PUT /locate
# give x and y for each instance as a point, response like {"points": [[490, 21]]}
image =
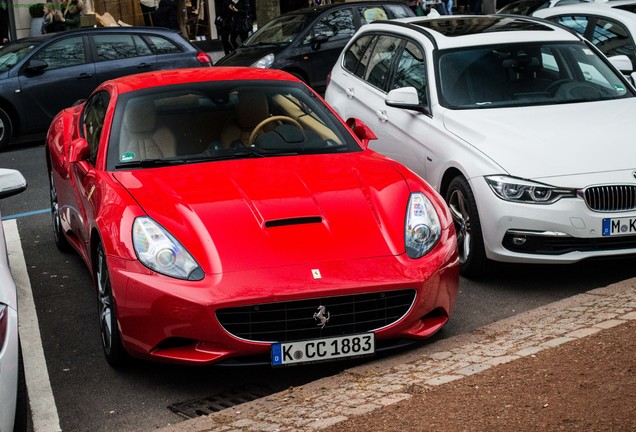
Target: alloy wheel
{"points": [[105, 303], [458, 206], [58, 235]]}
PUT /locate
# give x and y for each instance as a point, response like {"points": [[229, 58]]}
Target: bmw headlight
{"points": [[423, 229], [525, 191], [159, 251], [265, 62]]}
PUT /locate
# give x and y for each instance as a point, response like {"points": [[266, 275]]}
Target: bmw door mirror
{"points": [[36, 65], [362, 131], [405, 98], [12, 182], [78, 151], [622, 63], [317, 41]]}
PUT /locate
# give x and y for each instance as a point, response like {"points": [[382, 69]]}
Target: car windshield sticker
{"points": [[127, 157]]}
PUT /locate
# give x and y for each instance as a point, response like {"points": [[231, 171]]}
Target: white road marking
{"points": [[41, 400]]}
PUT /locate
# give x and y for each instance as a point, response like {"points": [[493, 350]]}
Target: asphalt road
{"points": [[89, 395]]}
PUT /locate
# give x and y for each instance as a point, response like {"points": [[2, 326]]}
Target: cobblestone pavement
{"points": [[361, 390]]}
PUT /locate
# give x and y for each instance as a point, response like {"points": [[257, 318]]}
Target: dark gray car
{"points": [[39, 76], [307, 42]]}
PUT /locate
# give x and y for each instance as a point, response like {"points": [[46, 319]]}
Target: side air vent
{"points": [[293, 221]]}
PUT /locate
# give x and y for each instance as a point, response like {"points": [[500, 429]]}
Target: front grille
{"points": [[611, 198], [294, 320]]}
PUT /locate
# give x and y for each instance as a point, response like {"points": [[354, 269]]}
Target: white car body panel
{"points": [[559, 124], [11, 182], [8, 352]]}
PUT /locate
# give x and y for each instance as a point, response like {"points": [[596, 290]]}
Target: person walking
{"points": [[241, 22], [52, 21], [148, 8], [166, 14], [72, 14], [224, 24], [4, 23]]}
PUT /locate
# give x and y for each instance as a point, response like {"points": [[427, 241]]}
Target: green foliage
{"points": [[36, 10]]}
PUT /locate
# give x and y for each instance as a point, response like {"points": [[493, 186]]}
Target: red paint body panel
{"points": [[227, 215]]}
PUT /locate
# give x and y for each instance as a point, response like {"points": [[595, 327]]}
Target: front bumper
{"points": [[167, 319], [566, 231]]}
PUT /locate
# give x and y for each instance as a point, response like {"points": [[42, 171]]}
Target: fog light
{"points": [[519, 241]]}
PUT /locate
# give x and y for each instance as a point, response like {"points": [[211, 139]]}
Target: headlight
{"points": [[422, 229], [265, 63], [159, 251], [525, 191]]}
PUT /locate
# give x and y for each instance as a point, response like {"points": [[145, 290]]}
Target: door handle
{"points": [[382, 116], [350, 92], [84, 76], [143, 65]]}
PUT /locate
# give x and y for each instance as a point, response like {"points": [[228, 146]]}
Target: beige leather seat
{"points": [[251, 109], [141, 137]]}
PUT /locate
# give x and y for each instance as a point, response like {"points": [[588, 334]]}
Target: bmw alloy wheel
{"points": [[461, 217], [470, 243]]}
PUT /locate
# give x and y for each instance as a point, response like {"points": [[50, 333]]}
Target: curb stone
{"points": [[363, 389]]}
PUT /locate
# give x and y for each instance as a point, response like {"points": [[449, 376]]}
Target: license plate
{"points": [[619, 226], [323, 349]]}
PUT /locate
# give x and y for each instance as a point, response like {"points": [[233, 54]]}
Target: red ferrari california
{"points": [[228, 215]]}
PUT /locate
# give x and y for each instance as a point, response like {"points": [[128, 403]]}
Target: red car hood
{"points": [[277, 211]]}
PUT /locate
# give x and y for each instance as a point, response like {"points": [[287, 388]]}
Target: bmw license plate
{"points": [[619, 226], [323, 349]]}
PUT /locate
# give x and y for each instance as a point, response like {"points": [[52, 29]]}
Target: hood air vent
{"points": [[293, 221]]}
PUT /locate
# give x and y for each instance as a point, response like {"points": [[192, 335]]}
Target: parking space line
{"points": [[31, 213], [43, 408]]}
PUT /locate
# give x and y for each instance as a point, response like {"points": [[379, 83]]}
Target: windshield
{"points": [[283, 29], [222, 120], [11, 54], [526, 74]]}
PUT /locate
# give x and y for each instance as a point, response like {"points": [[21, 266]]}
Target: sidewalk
{"points": [[540, 370]]}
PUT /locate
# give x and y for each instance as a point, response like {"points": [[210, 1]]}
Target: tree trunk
{"points": [[266, 10]]}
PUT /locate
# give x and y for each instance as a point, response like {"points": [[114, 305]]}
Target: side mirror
{"points": [[78, 151], [36, 65], [622, 63], [12, 182], [406, 98], [317, 41], [362, 131]]}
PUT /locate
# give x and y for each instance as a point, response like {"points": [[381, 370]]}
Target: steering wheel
{"points": [[578, 91], [259, 127], [554, 87]]}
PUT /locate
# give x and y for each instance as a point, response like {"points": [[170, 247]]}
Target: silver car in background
{"points": [[12, 384]]}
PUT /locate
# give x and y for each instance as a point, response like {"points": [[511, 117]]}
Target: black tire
{"points": [[114, 351], [20, 423], [470, 241], [6, 129], [60, 240]]}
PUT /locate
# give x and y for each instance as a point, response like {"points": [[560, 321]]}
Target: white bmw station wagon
{"points": [[525, 128]]}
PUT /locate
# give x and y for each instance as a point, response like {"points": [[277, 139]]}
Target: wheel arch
{"points": [[449, 175], [12, 112], [95, 241]]}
